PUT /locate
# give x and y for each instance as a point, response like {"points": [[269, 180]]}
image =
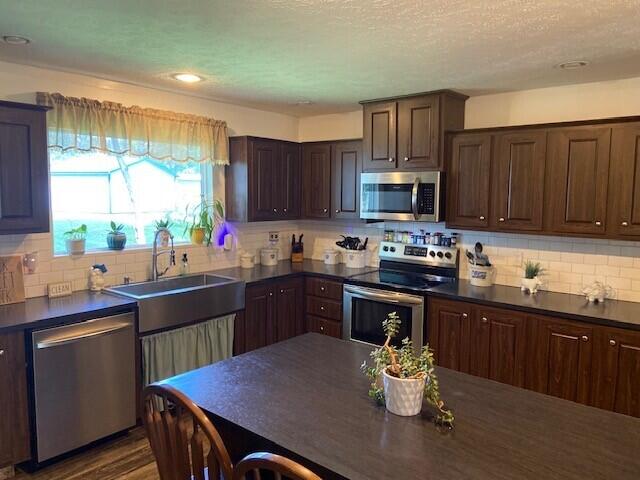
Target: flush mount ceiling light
{"points": [[187, 77], [15, 40], [573, 64]]}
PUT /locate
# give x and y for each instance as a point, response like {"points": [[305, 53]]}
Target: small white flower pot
{"points": [[403, 396], [530, 285]]}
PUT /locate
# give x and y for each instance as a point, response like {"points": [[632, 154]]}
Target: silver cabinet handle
{"points": [[337, 211], [612, 343], [284, 210], [625, 224], [406, 159], [322, 308], [321, 328], [275, 210], [1, 353], [484, 320], [271, 294], [585, 338], [390, 159], [464, 315], [598, 223], [325, 210], [481, 217], [501, 219], [281, 291]]}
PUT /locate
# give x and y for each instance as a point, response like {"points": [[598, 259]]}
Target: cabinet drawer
{"points": [[323, 326], [331, 309], [319, 287]]}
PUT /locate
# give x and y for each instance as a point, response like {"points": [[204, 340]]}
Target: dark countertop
{"points": [[285, 268], [611, 312], [41, 312], [501, 432]]}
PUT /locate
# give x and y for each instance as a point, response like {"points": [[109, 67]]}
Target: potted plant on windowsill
{"points": [[75, 240], [116, 238], [202, 221], [163, 226], [530, 283], [401, 378]]}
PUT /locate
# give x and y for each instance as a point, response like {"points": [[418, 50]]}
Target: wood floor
{"points": [[124, 458]]}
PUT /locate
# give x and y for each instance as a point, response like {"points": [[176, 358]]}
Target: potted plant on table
{"points": [[401, 377], [116, 238], [202, 220], [531, 282], [75, 240], [163, 226]]}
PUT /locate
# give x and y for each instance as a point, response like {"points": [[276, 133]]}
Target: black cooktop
{"points": [[398, 279]]}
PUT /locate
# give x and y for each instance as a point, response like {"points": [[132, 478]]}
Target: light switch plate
{"points": [[61, 289], [274, 236]]}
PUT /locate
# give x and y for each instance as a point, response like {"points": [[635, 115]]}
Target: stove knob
{"points": [[393, 249], [432, 253], [440, 255], [385, 249], [447, 255]]}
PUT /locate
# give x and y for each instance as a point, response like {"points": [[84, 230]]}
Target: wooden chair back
{"points": [[253, 467], [184, 442]]}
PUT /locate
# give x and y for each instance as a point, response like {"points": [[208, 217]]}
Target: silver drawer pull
{"points": [[598, 223], [484, 320], [390, 160], [481, 217], [501, 219], [585, 338], [612, 343], [625, 224]]}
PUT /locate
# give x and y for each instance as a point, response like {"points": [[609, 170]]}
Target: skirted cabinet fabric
{"points": [[170, 353]]}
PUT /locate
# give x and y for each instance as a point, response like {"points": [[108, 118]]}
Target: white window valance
{"points": [[87, 125]]}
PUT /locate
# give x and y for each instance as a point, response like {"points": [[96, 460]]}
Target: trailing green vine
{"points": [[404, 363]]}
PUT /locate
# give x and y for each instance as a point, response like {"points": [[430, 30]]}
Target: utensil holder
{"points": [[481, 276]]}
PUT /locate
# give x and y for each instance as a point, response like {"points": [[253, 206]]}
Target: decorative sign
{"points": [[11, 280], [61, 289]]}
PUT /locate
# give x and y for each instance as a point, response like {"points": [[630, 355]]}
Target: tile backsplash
{"points": [[570, 263]]}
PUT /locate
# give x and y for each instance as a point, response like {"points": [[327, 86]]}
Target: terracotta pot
{"points": [[403, 396], [197, 236]]}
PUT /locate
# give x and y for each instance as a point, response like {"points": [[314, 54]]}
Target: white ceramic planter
{"points": [[75, 246], [403, 396], [530, 285]]}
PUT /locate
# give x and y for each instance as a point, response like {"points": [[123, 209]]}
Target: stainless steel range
{"points": [[406, 274]]}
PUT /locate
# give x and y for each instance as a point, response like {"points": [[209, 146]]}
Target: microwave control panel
{"points": [[427, 198]]}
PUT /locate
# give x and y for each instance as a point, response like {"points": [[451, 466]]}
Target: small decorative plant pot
{"points": [[530, 285], [116, 241], [75, 246], [403, 396], [197, 236]]}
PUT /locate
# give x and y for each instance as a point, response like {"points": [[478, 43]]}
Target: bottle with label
{"points": [[184, 265]]}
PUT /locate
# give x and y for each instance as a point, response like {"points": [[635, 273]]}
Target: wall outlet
{"points": [[274, 236]]}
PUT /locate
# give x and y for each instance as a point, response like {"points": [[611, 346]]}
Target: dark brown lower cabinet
{"points": [[324, 306], [14, 427], [289, 319], [448, 333]]}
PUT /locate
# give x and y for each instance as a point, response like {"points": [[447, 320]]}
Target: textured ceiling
{"points": [[273, 53]]}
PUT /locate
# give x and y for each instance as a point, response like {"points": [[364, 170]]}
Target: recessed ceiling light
{"points": [[573, 64], [187, 77], [15, 40]]}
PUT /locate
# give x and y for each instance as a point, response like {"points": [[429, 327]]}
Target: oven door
{"points": [[366, 308], [411, 196]]}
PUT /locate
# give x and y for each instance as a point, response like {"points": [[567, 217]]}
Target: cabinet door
{"points": [[14, 427], [346, 160], [418, 132], [518, 180], [289, 312], [560, 359], [469, 180], [317, 180], [498, 345], [379, 144], [616, 383], [24, 182], [624, 185], [264, 170], [290, 181], [579, 168], [258, 316], [448, 327]]}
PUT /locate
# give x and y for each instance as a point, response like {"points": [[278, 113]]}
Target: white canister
{"points": [[355, 258], [246, 260], [269, 257], [331, 257], [480, 276]]}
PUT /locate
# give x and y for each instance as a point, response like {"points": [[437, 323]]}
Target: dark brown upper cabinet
{"points": [[469, 181], [407, 133], [263, 180], [316, 169], [578, 178], [624, 184], [346, 165], [24, 174], [517, 189]]}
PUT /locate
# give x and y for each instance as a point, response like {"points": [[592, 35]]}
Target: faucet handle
{"points": [[173, 257]]}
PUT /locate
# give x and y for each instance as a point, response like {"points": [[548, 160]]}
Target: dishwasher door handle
{"points": [[88, 334]]}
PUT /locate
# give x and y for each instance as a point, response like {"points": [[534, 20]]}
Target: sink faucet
{"points": [[155, 274]]}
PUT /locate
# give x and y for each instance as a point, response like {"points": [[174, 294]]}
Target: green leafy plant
{"points": [[77, 233], [163, 223], [532, 270], [404, 363], [205, 215], [115, 228]]}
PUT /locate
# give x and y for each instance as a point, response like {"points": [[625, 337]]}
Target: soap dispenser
{"points": [[184, 265]]}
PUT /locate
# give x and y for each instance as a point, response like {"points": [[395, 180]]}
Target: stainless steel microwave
{"points": [[412, 196]]}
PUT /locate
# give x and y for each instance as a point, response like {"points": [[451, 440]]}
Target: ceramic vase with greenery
{"points": [[530, 283], [163, 226], [401, 378], [202, 220], [75, 240], [116, 238]]}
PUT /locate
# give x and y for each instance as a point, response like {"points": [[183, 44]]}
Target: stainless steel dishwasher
{"points": [[84, 383]]}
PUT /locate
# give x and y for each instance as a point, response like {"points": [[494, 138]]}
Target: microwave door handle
{"points": [[414, 199]]}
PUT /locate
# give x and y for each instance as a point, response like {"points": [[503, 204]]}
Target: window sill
{"points": [[134, 249]]}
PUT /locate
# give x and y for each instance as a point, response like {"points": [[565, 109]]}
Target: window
{"points": [[96, 188]]}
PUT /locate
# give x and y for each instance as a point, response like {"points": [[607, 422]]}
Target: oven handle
{"points": [[414, 199], [389, 297]]}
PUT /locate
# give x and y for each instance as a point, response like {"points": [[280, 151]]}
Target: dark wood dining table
{"points": [[307, 398]]}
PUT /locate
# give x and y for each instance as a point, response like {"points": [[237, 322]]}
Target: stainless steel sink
{"points": [[172, 302]]}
